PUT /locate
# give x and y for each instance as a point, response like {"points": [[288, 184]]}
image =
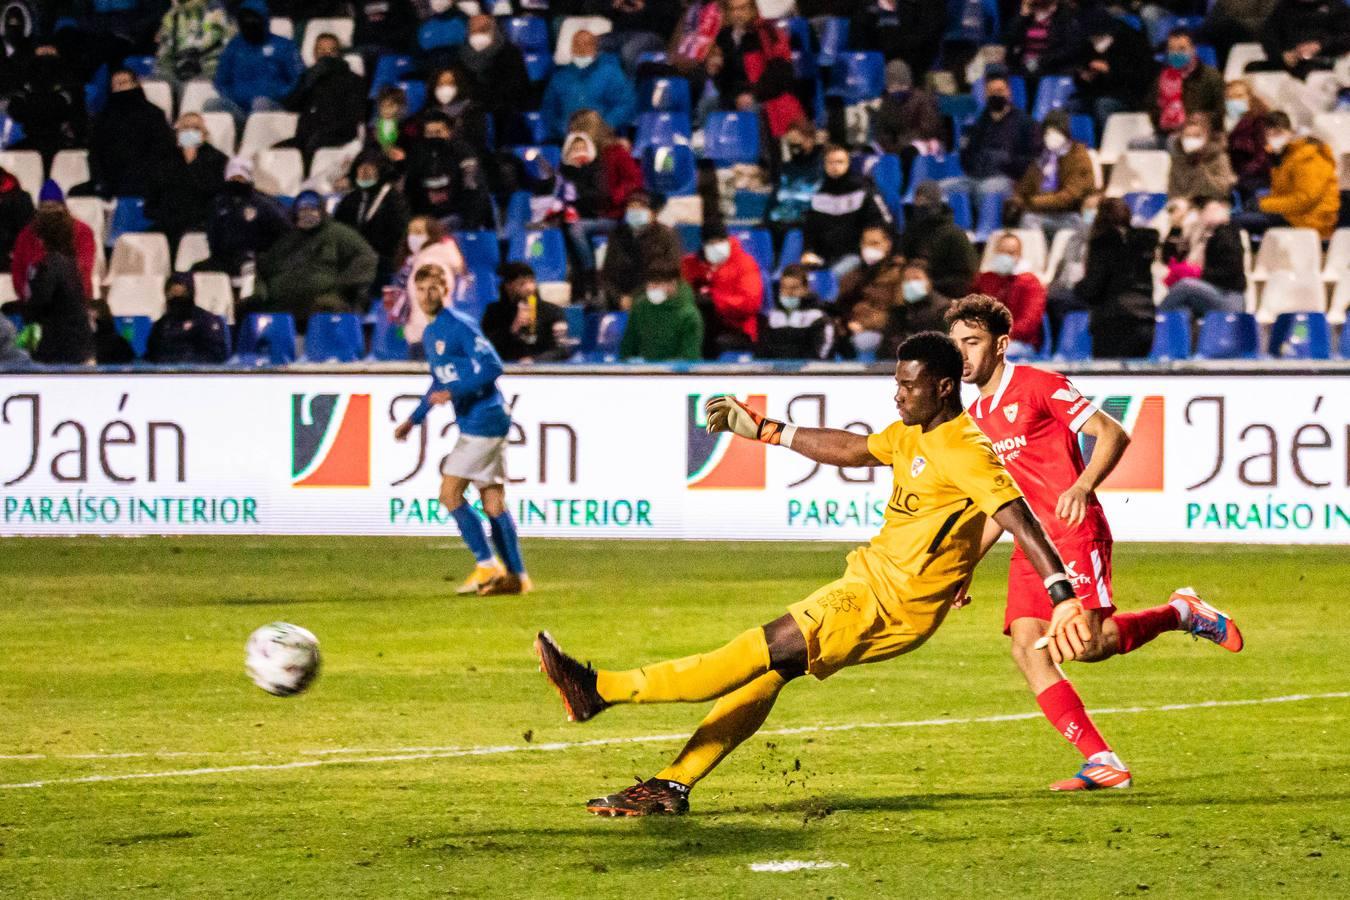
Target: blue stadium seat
{"points": [[543, 249], [664, 95], [11, 132], [538, 65], [480, 249], [267, 339], [1304, 335], [128, 216], [1083, 129], [1144, 206], [758, 243], [791, 252], [612, 326], [1017, 85], [479, 287], [436, 34], [962, 214], [1053, 92], [1228, 336], [750, 206], [136, 331], [989, 217], [932, 168], [334, 337], [390, 69], [651, 58], [832, 36], [143, 66], [518, 213], [1133, 21], [736, 356], [1171, 336], [886, 175], [416, 94], [731, 137], [1207, 55], [1075, 340], [858, 77], [824, 283], [387, 343], [802, 41], [661, 129], [575, 315], [973, 21], [1345, 342], [532, 127], [550, 152], [671, 171], [691, 236], [529, 33]]}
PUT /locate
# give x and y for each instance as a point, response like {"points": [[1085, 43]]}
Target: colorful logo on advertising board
{"points": [[1142, 466], [330, 440], [722, 461]]}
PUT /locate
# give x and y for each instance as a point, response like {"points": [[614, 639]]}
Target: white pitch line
{"points": [[454, 752]]}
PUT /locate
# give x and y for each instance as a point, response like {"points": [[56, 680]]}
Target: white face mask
{"points": [[480, 41], [717, 252], [1055, 140], [1102, 44], [446, 94], [1278, 142], [1004, 263], [583, 62], [416, 242], [657, 295], [440, 6], [872, 255], [1192, 144]]}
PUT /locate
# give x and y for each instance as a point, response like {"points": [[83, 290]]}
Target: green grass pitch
{"points": [[124, 657]]}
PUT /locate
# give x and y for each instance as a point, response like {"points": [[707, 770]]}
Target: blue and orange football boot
{"points": [[1207, 622], [1095, 776]]}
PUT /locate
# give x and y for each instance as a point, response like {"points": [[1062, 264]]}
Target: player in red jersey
{"points": [[1034, 418]]}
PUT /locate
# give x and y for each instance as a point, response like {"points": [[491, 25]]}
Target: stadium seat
{"points": [[576, 322], [1291, 292], [195, 94], [517, 214], [356, 63], [800, 37], [11, 132], [550, 152], [479, 249], [1171, 337], [529, 33], [144, 253], [562, 48], [329, 166], [1336, 265], [664, 95], [69, 168], [671, 171], [26, 166], [1301, 335], [1140, 171], [825, 284], [159, 93], [128, 216], [972, 21], [387, 342], [758, 243], [691, 237], [661, 129], [1075, 339], [438, 34], [1083, 129], [612, 326], [1272, 87], [414, 95], [282, 27], [858, 77], [279, 172], [928, 167], [192, 249], [989, 217], [220, 131], [136, 331], [1144, 205], [886, 175], [143, 66], [832, 36], [1053, 92], [731, 137], [264, 130], [342, 28], [1017, 86], [136, 295], [478, 288], [214, 293], [334, 337], [1121, 128], [543, 249], [537, 66], [390, 69], [92, 212], [1288, 249], [1228, 336], [962, 214], [1334, 129], [267, 338], [1239, 57]]}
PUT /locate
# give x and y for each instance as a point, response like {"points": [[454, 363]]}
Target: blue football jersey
{"points": [[464, 363]]}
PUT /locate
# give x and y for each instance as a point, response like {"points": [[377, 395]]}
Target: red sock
{"points": [[1063, 707], [1138, 628]]}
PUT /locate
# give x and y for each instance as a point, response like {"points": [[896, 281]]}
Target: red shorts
{"points": [[1088, 565]]}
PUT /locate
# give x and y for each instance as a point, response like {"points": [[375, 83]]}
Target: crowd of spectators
{"points": [[856, 166]]}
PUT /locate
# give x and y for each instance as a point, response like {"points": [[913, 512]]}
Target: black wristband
{"points": [[1060, 591]]}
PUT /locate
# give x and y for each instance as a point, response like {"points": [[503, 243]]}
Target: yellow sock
{"points": [[733, 719], [692, 679]]}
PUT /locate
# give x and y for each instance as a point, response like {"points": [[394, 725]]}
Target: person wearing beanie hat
{"points": [[908, 122], [186, 333], [28, 249], [1051, 192], [319, 266], [51, 193]]}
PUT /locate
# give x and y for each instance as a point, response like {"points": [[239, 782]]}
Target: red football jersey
{"points": [[1033, 420]]}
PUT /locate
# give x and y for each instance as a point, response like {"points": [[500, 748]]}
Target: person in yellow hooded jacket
{"points": [[1304, 191]]}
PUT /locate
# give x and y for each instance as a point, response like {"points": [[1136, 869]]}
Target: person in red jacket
{"points": [[730, 291], [1009, 282], [28, 249]]}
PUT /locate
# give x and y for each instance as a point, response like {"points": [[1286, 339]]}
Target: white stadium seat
{"points": [[341, 28], [160, 93], [1239, 57], [1288, 249], [136, 295], [266, 129], [1140, 170], [356, 63], [25, 165], [214, 293], [1340, 302], [562, 50], [140, 253], [1121, 128], [192, 249], [279, 172], [1300, 291], [220, 131], [330, 165], [1270, 86], [1033, 249], [69, 168], [7, 292], [1059, 245], [1337, 264], [91, 211], [195, 94], [282, 27]]}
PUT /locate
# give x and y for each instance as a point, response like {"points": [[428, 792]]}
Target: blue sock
{"points": [[472, 531], [508, 545]]}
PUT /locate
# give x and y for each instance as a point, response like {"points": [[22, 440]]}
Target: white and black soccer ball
{"points": [[281, 658]]}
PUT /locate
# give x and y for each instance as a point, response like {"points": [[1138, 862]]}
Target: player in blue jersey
{"points": [[464, 372]]}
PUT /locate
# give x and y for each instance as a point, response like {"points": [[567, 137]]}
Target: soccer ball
{"points": [[281, 658]]}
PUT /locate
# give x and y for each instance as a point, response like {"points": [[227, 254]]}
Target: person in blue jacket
{"points": [[257, 69], [593, 81], [464, 372]]}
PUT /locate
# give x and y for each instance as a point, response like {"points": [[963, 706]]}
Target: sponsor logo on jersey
{"points": [[916, 468], [722, 461], [1075, 577], [330, 440], [1010, 411]]}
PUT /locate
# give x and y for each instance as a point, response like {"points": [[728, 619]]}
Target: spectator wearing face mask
{"points": [[496, 68], [1000, 145], [730, 290], [1302, 36], [445, 178], [591, 81], [1010, 282], [520, 326], [910, 30], [192, 35], [932, 235], [1200, 166], [450, 94], [1117, 284], [1245, 119], [908, 122], [257, 69], [1053, 187], [186, 333], [797, 327], [244, 222], [1304, 192], [182, 190], [426, 244], [1184, 87], [664, 324], [640, 26], [1044, 39], [17, 30], [845, 203], [1220, 283], [110, 347], [377, 209], [29, 249], [131, 139], [877, 330], [637, 245], [1060, 296], [319, 266], [49, 105], [330, 99], [387, 123], [878, 280], [1114, 69], [800, 171], [620, 174]]}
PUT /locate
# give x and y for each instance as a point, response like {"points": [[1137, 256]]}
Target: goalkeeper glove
{"points": [[729, 414]]}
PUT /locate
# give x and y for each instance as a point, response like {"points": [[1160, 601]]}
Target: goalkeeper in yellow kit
{"points": [[893, 594]]}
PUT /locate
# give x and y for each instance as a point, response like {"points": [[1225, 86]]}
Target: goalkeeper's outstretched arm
{"points": [[831, 446]]}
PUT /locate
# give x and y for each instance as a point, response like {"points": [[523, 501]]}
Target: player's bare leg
{"points": [[471, 530], [510, 577], [1062, 706]]}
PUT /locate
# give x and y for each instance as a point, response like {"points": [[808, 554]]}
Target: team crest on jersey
{"points": [[440, 348], [916, 468], [1011, 412]]}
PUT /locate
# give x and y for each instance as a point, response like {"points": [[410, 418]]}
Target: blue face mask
{"points": [[1178, 60], [1236, 109], [790, 302], [1089, 216], [637, 217], [914, 290]]}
